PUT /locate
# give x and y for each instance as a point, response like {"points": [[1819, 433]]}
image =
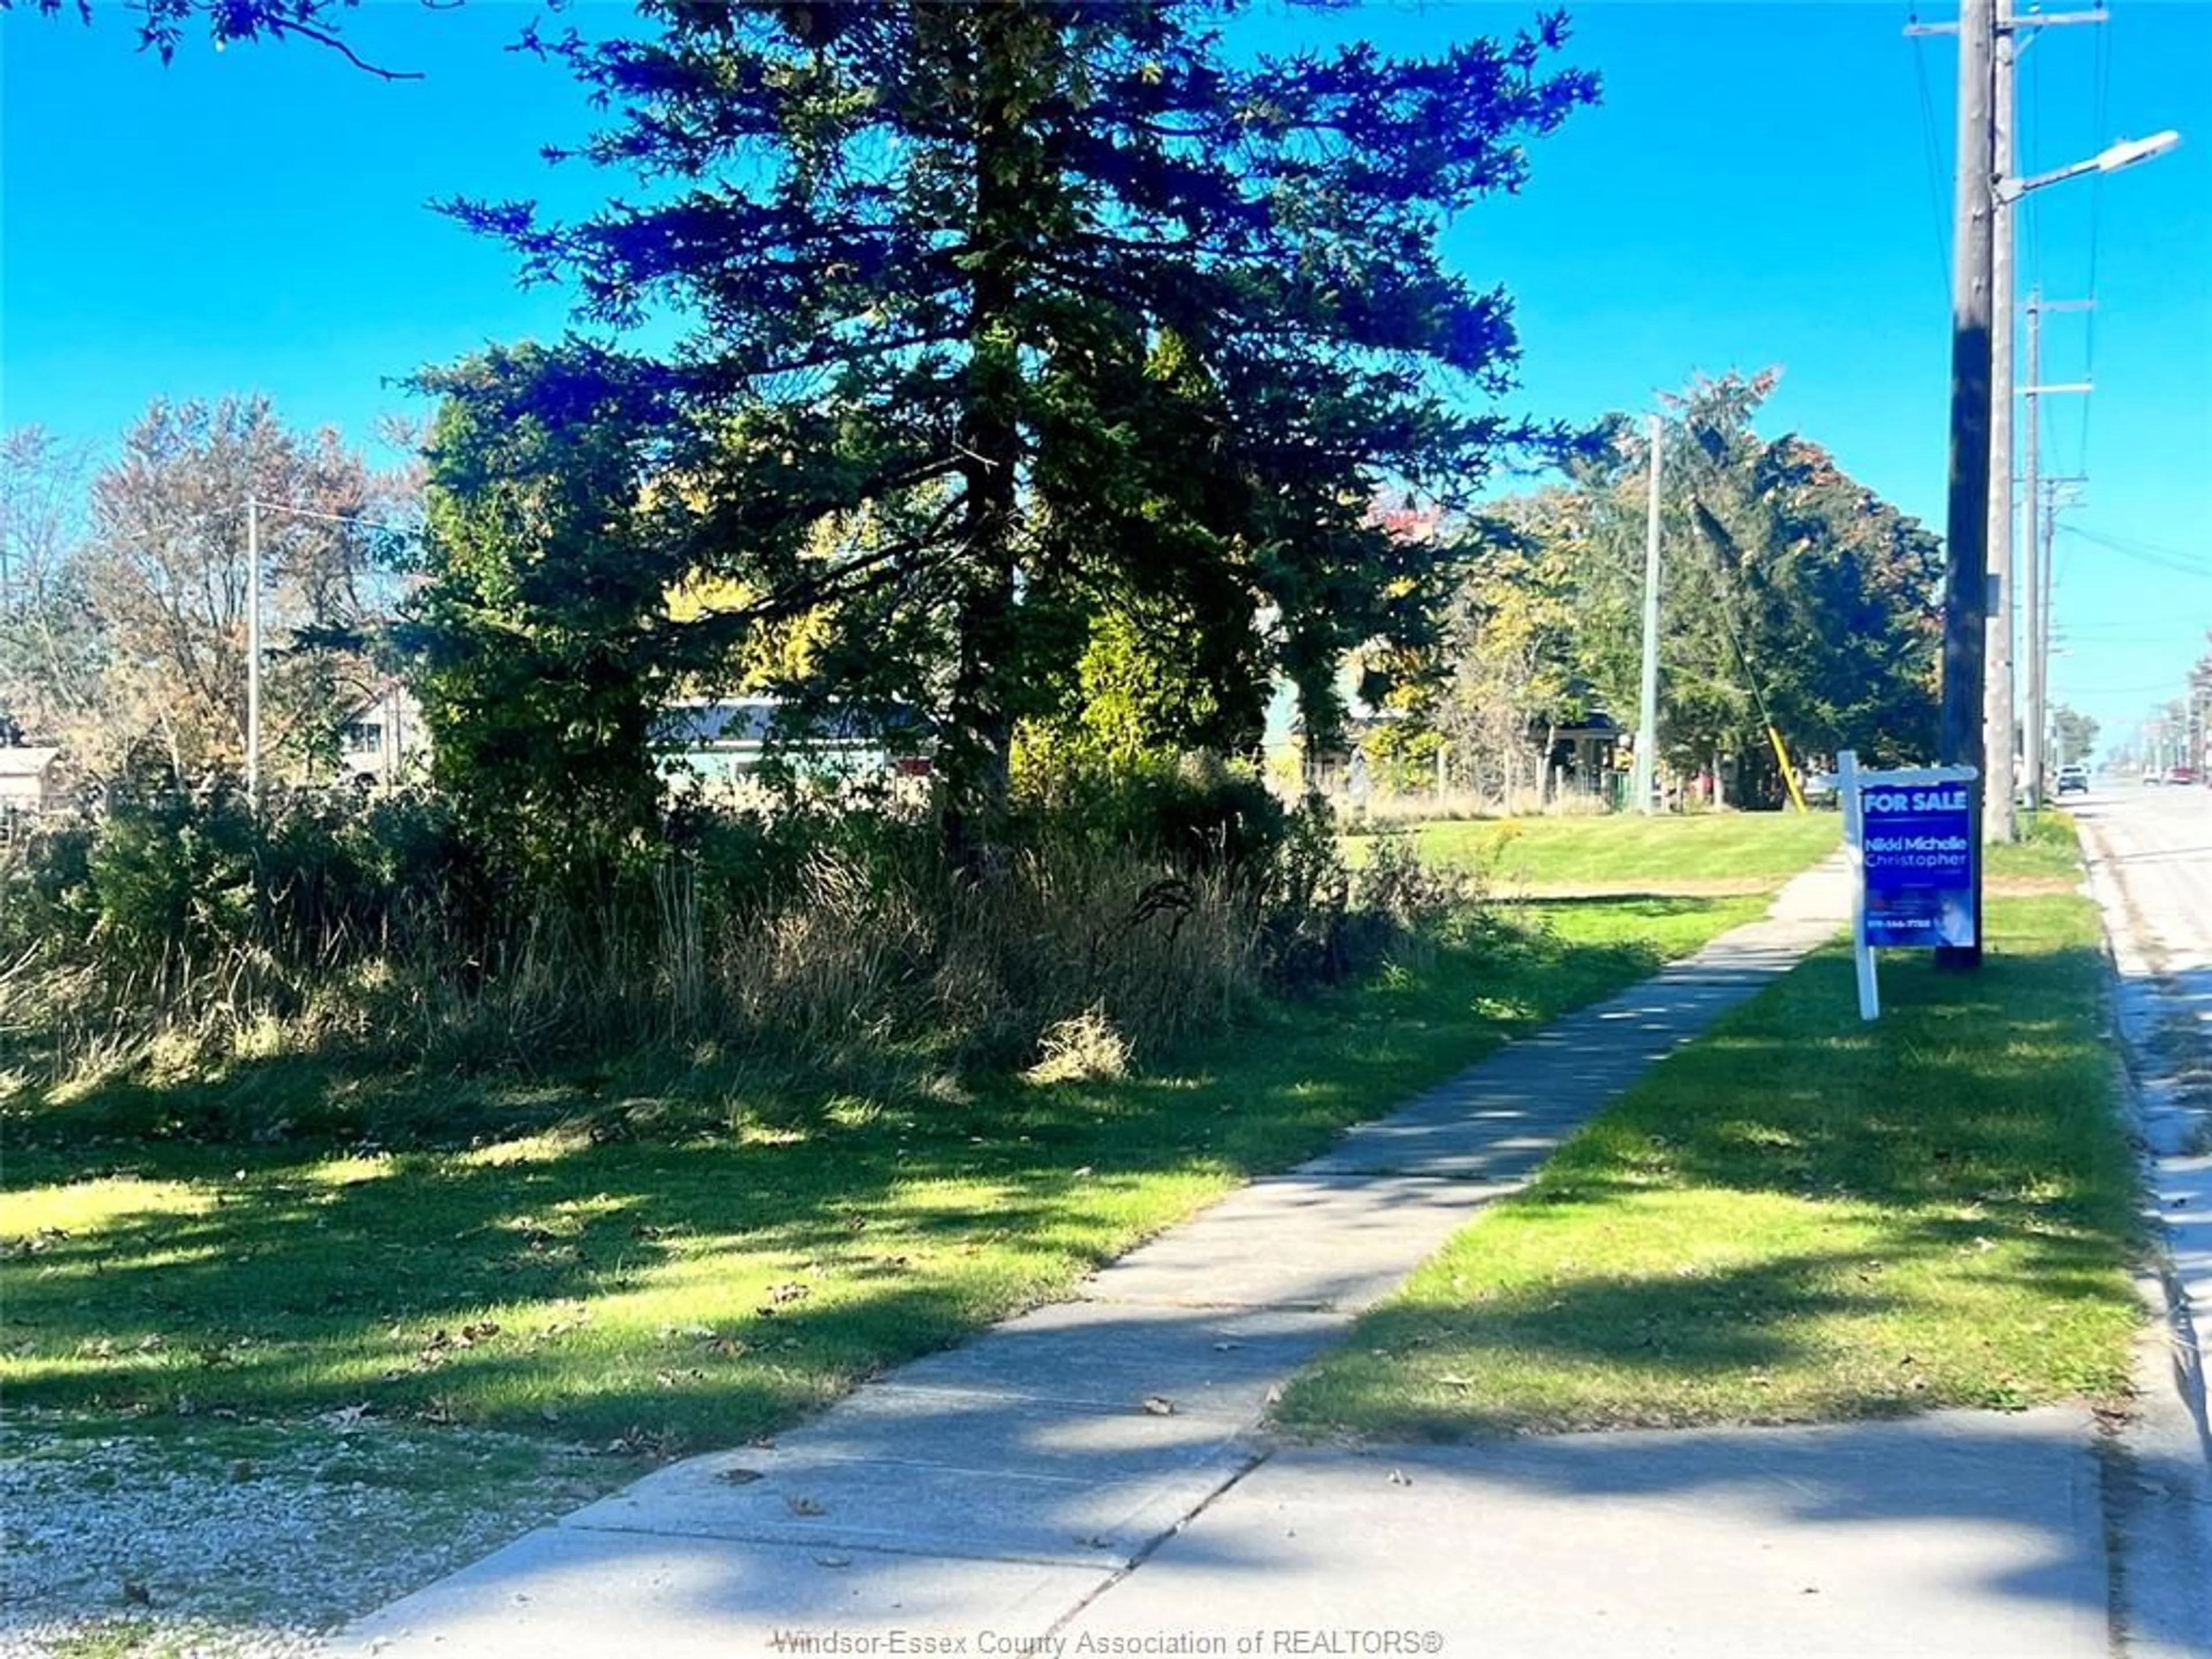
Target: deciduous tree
{"points": [[50, 648], [169, 584]]}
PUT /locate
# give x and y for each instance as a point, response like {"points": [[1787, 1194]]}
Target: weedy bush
{"points": [[177, 934]]}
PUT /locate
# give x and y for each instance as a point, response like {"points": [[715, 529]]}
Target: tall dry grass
{"points": [[1069, 952]]}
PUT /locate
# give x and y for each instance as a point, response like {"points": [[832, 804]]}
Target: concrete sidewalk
{"points": [[1004, 1485], [1090, 1478]]}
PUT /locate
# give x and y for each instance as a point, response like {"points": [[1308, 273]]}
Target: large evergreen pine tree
{"points": [[1046, 309]]}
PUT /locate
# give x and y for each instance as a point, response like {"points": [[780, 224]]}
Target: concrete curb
{"points": [[2158, 1280], [2156, 1465]]}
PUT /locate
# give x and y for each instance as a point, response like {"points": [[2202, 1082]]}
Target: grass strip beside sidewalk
{"points": [[1617, 851], [715, 1279], [1797, 1218]]}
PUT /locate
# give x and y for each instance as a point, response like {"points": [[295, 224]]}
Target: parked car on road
{"points": [[2181, 775], [2073, 779]]}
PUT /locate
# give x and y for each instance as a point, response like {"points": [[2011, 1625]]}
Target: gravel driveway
{"points": [[213, 1537]]}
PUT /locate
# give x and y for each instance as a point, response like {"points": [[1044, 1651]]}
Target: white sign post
{"points": [[1919, 865], [1847, 777]]}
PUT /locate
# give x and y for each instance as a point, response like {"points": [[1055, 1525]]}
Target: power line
{"points": [[2155, 687], [1930, 149], [2034, 148], [2137, 544], [2167, 559], [2101, 104]]}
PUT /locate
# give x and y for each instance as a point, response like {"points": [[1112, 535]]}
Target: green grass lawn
{"points": [[1754, 847], [1798, 1217], [686, 1263], [2049, 850]]}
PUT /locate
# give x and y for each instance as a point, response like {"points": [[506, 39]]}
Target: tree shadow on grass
{"points": [[280, 1296], [1813, 1334], [1988, 1097], [977, 1485], [279, 1281]]}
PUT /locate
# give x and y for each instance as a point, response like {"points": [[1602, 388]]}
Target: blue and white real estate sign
{"points": [[1917, 846], [1910, 836]]}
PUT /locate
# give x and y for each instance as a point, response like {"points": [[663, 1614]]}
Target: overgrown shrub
{"points": [[1116, 923], [1195, 810]]}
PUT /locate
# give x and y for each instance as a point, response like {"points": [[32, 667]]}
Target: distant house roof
{"points": [[699, 721], [26, 762]]}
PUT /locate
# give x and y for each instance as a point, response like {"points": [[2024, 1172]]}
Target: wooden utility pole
{"points": [[1998, 716], [1967, 522], [1644, 773], [252, 653], [2036, 565], [1987, 167]]}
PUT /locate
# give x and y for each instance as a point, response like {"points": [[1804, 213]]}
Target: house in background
{"points": [[383, 739], [715, 742], [1584, 758], [30, 783]]}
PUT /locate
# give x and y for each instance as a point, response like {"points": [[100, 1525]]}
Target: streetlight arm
{"points": [[2126, 154], [2011, 189]]}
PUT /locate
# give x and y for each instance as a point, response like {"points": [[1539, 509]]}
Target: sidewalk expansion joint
{"points": [[1145, 1553]]}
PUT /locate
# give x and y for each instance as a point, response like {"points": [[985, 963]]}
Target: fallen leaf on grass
{"points": [[43, 1239]]}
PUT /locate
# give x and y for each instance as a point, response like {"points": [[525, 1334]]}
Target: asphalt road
{"points": [[2151, 871], [2159, 842]]}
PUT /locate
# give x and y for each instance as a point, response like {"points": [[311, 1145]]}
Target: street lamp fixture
{"points": [[2127, 153]]}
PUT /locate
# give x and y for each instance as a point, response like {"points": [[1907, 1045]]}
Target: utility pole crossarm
{"points": [[2047, 19]]}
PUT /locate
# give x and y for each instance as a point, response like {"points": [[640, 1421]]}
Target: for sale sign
{"points": [[1910, 836], [1918, 847]]}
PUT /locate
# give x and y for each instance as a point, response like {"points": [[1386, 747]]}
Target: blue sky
{"points": [[1757, 188]]}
